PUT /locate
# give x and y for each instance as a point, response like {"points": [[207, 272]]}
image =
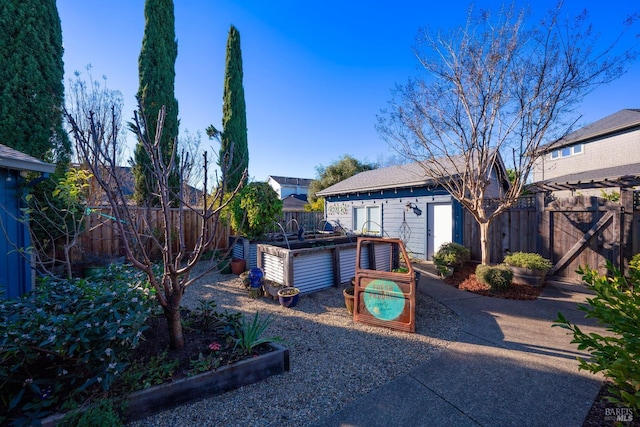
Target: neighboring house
{"points": [[400, 201], [595, 157], [16, 274], [294, 203], [286, 186], [292, 191]]}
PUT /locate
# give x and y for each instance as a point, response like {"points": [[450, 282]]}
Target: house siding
{"points": [[396, 221], [607, 151], [15, 269]]}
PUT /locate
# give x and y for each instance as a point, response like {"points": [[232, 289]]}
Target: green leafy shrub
{"points": [[452, 255], [497, 277], [449, 256], [528, 260], [616, 306], [255, 210], [68, 339]]}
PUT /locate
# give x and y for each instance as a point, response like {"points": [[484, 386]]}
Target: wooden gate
{"points": [[583, 231]]}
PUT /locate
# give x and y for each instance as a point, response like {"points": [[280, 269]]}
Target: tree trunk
{"points": [[176, 338], [484, 242]]}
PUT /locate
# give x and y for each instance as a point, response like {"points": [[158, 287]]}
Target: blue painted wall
{"points": [[396, 221], [16, 275]]}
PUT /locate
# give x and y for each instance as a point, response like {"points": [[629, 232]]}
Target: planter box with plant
{"points": [[528, 268], [449, 256], [72, 341]]}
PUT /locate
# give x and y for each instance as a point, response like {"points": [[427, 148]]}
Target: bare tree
{"points": [[84, 95], [177, 265], [494, 88]]}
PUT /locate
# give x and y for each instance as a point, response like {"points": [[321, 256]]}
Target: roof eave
{"points": [[23, 165], [375, 188]]}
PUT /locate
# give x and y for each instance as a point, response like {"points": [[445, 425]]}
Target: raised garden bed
{"points": [[156, 399]]}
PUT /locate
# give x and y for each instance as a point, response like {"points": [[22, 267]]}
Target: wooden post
{"points": [[626, 226], [543, 244]]}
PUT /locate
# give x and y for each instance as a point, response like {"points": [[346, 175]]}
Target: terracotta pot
{"points": [[238, 266], [348, 298]]}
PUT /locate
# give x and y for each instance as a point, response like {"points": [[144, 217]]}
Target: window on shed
{"points": [[366, 219]]}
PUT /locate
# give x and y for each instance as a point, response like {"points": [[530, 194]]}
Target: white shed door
{"points": [[439, 226]]}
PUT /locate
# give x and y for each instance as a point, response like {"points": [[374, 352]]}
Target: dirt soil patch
{"points": [[465, 278]]}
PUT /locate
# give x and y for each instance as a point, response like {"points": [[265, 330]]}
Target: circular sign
{"points": [[384, 299]]}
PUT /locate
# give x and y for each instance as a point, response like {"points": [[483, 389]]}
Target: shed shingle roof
{"points": [[17, 160], [379, 179], [405, 176]]}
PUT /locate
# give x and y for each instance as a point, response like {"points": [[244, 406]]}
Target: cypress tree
{"points": [[156, 69], [234, 114], [31, 79]]}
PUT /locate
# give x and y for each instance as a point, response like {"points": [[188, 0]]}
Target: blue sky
{"points": [[316, 74]]}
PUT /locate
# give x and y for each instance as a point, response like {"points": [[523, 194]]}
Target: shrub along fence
{"points": [[571, 232]]}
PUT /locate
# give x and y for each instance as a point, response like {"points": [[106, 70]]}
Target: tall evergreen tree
{"points": [[156, 69], [31, 79], [234, 147]]}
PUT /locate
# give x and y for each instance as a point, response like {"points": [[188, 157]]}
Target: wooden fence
{"points": [[292, 220], [101, 238], [571, 232]]}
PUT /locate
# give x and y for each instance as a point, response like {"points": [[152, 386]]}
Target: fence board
{"points": [[554, 228], [101, 238]]}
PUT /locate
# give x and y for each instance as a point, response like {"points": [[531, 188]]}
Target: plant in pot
{"points": [[271, 288], [288, 296], [348, 294], [528, 268], [256, 279], [252, 214], [223, 263], [238, 266], [449, 256]]}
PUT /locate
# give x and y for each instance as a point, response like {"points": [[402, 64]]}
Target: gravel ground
{"points": [[334, 360]]}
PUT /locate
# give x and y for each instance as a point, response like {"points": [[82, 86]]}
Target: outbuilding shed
{"points": [[16, 272], [401, 201]]}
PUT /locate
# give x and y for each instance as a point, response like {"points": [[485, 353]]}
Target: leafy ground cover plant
{"points": [[67, 340], [616, 305], [530, 260], [497, 277], [213, 342]]}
